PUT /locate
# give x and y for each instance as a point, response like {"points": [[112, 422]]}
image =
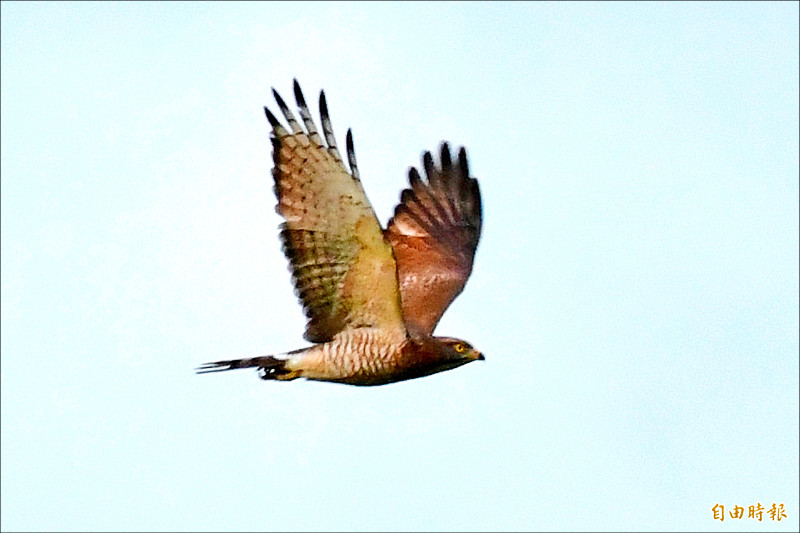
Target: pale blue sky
{"points": [[635, 290]]}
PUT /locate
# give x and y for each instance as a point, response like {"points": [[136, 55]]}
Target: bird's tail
{"points": [[269, 366]]}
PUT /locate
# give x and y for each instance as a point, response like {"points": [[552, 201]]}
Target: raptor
{"points": [[372, 296]]}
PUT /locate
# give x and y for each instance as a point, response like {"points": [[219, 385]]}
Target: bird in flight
{"points": [[372, 296]]}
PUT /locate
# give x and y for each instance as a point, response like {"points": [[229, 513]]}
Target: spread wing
{"points": [[343, 270], [434, 234]]}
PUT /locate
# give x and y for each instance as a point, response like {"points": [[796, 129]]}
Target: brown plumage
{"points": [[372, 297]]}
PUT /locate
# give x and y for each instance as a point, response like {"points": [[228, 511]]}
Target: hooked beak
{"points": [[478, 356]]}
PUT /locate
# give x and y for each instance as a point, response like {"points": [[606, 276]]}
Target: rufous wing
{"points": [[434, 233]]}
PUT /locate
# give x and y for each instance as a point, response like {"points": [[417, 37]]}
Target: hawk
{"points": [[372, 296]]}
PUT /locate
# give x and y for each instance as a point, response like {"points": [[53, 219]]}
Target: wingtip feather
{"points": [[444, 157], [323, 105], [273, 120], [462, 162], [298, 94], [351, 154], [279, 99], [427, 163]]}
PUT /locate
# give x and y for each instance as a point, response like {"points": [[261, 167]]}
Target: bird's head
{"points": [[458, 350], [425, 355]]}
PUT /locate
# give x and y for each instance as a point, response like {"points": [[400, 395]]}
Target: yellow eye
{"points": [[460, 348]]}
